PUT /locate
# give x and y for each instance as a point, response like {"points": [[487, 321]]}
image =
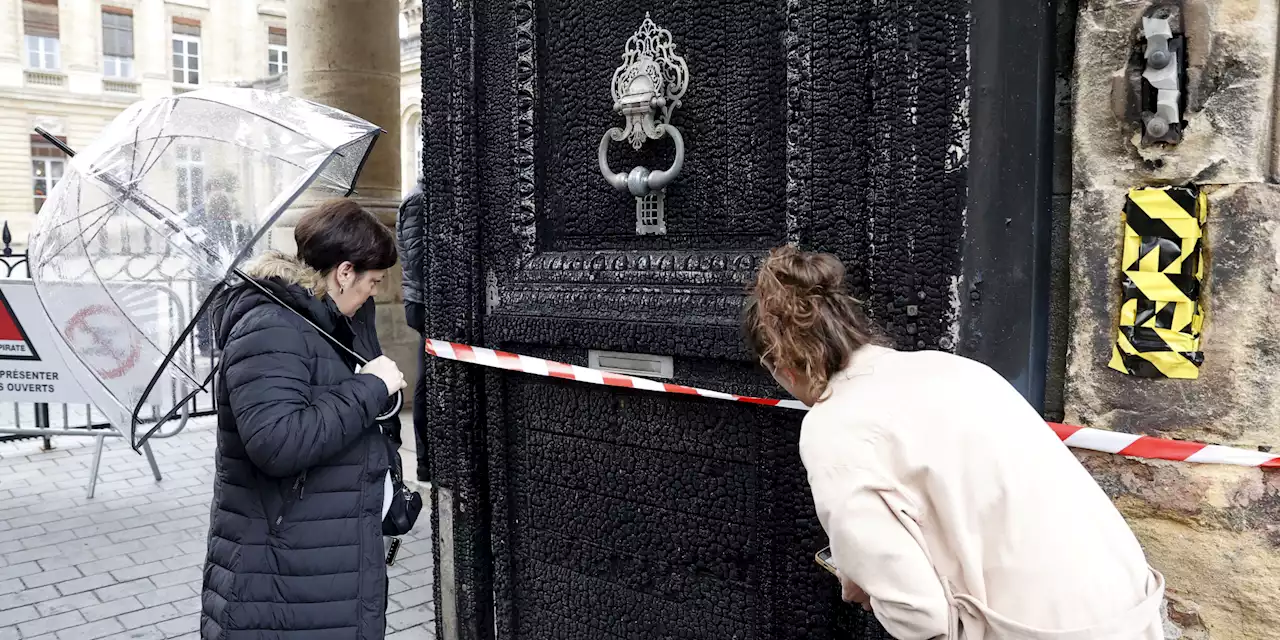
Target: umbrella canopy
{"points": [[207, 173]]}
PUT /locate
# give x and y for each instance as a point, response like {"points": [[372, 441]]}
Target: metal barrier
{"points": [[152, 264]]}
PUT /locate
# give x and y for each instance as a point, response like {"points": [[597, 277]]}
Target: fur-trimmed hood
{"points": [[287, 269], [289, 279]]}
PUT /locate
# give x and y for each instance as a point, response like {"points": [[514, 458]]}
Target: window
{"points": [[47, 165], [117, 67], [40, 31], [190, 170], [186, 52], [277, 60], [42, 53], [117, 43], [277, 52]]}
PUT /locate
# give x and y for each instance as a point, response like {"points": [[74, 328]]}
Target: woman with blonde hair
{"points": [[952, 511]]}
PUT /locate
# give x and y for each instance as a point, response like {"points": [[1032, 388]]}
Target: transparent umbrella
{"points": [[203, 176]]}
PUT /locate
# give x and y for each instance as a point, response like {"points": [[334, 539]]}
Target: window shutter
{"points": [[186, 26], [40, 18], [117, 34], [37, 139], [277, 36]]}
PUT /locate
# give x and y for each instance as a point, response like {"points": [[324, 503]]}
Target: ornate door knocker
{"points": [[646, 90]]}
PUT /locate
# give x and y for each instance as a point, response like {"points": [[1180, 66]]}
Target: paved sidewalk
{"points": [[128, 563]]}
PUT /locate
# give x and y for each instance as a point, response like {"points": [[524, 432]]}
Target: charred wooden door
{"points": [[581, 512]]}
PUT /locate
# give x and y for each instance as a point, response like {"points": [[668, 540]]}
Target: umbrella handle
{"points": [[394, 409]]}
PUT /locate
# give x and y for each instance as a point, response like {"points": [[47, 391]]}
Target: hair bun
{"points": [[806, 274], [800, 318]]}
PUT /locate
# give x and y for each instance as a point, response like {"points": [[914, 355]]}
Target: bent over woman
{"points": [[295, 535], [953, 512]]}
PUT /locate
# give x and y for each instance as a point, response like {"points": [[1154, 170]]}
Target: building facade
{"points": [[70, 66], [410, 92]]}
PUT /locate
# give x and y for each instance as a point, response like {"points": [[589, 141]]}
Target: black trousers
{"points": [[421, 434]]}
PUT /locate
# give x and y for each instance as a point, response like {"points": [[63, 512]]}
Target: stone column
{"points": [[347, 55]]}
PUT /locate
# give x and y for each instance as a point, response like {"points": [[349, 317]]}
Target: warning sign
{"points": [[33, 367], [14, 343]]}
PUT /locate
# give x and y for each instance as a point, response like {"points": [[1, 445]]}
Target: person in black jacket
{"points": [[410, 230], [410, 227], [295, 532]]}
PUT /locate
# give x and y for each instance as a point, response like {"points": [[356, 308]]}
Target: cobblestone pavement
{"points": [[128, 563]]}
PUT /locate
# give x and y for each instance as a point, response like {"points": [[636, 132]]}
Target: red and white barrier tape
{"points": [[1125, 444]]}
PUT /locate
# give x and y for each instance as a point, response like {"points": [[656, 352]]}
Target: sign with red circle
{"points": [[104, 339]]}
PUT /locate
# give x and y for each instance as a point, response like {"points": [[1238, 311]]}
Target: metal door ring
{"points": [[640, 181]]}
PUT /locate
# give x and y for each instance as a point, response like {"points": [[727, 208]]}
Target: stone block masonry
{"points": [[1213, 531]]}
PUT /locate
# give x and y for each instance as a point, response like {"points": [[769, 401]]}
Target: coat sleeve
{"points": [[410, 228], [287, 425], [871, 545]]}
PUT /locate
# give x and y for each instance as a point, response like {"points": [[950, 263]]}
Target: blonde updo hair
{"points": [[800, 317]]}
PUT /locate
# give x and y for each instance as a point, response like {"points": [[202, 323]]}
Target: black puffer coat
{"points": [[295, 536], [411, 226]]}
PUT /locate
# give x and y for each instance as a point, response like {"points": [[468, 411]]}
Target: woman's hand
{"points": [[385, 369], [851, 592]]}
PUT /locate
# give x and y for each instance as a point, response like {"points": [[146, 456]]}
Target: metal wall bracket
{"points": [[1163, 91]]}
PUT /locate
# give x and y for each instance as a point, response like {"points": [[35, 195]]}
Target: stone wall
{"points": [[1213, 531]]}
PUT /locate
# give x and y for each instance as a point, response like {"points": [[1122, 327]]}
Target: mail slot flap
{"points": [[631, 364]]}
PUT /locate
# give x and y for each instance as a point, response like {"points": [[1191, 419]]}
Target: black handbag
{"points": [[406, 504]]}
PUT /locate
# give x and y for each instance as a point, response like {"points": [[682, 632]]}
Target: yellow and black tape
{"points": [[1160, 312]]}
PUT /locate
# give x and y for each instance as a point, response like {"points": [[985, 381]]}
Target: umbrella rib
{"points": [[134, 176], [264, 152], [130, 194], [81, 215], [90, 225], [133, 158], [136, 134], [147, 169]]}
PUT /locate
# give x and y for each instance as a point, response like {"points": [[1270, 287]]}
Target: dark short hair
{"points": [[338, 231]]}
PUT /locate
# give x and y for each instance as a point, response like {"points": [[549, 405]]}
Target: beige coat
{"points": [[962, 515]]}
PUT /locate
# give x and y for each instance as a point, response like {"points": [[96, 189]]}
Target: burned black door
{"points": [[574, 511]]}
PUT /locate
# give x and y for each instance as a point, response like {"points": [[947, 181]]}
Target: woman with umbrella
{"points": [[305, 475], [302, 486]]}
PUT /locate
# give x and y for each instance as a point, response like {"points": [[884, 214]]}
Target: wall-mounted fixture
{"points": [[647, 88], [1163, 90]]}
